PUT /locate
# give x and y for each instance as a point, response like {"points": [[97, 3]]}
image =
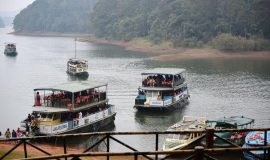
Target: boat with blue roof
{"points": [[162, 89]]}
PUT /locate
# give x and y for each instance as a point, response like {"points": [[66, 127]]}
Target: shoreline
{"points": [[163, 52]]}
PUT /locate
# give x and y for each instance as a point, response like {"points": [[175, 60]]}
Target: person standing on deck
{"points": [[37, 101], [8, 134]]}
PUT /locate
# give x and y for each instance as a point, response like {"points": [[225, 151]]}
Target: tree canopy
{"points": [[55, 16], [181, 21]]}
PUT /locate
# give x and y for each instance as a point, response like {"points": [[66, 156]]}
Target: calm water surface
{"points": [[218, 87]]}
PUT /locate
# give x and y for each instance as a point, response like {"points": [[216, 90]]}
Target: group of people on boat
{"points": [[60, 98], [162, 80]]}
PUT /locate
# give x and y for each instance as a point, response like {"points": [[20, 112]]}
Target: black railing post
{"points": [[65, 147], [156, 156], [135, 156], [25, 149], [108, 145], [209, 137], [198, 153]]}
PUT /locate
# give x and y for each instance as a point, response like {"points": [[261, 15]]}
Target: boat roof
{"points": [[77, 60], [74, 86], [164, 71], [10, 43], [234, 120], [189, 123]]}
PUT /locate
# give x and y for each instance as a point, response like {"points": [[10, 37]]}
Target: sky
{"points": [[14, 5]]}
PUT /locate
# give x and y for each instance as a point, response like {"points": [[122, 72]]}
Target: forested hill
{"points": [[184, 22], [55, 16], [2, 25]]}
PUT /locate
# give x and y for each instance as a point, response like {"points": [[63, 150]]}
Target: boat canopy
{"points": [[165, 71], [75, 86], [77, 60], [233, 121]]}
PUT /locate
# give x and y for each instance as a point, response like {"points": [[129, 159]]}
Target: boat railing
{"points": [[167, 100], [77, 122]]}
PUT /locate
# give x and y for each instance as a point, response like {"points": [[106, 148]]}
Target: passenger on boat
{"points": [[19, 132], [37, 103], [14, 134]]}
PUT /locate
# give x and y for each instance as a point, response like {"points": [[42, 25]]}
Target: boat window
{"points": [[50, 116], [56, 116]]}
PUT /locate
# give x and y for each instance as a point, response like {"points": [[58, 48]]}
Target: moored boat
{"points": [[10, 49], [233, 122], [179, 141], [162, 89], [69, 108], [253, 139]]}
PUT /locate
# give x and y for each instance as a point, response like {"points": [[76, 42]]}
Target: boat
{"points": [[162, 89], [233, 122], [76, 66], [10, 49], [71, 107], [179, 141], [255, 139]]}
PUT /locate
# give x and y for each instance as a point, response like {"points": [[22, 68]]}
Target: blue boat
{"points": [[253, 139]]}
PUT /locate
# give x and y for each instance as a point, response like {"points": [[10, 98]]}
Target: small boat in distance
{"points": [[10, 49], [162, 89], [70, 108], [76, 66], [179, 141]]}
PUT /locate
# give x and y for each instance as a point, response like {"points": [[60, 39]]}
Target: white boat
{"points": [[69, 108], [162, 89], [10, 49], [76, 66], [179, 141]]}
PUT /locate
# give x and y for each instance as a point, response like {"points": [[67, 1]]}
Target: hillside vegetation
{"points": [[188, 23], [55, 16], [230, 25]]}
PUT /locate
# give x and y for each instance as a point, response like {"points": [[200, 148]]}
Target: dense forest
{"points": [[55, 16], [223, 24], [188, 23], [2, 25]]}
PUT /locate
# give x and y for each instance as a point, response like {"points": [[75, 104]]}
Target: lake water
{"points": [[218, 87]]}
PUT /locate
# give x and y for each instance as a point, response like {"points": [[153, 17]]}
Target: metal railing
{"points": [[197, 153]]}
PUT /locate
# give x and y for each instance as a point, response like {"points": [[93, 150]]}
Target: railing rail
{"points": [[197, 153]]}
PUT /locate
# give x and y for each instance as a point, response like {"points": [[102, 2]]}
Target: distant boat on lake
{"points": [[162, 89], [69, 108], [10, 49], [77, 67]]}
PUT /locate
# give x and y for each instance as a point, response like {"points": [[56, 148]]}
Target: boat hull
{"points": [[78, 74], [176, 105], [91, 127], [10, 53]]}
